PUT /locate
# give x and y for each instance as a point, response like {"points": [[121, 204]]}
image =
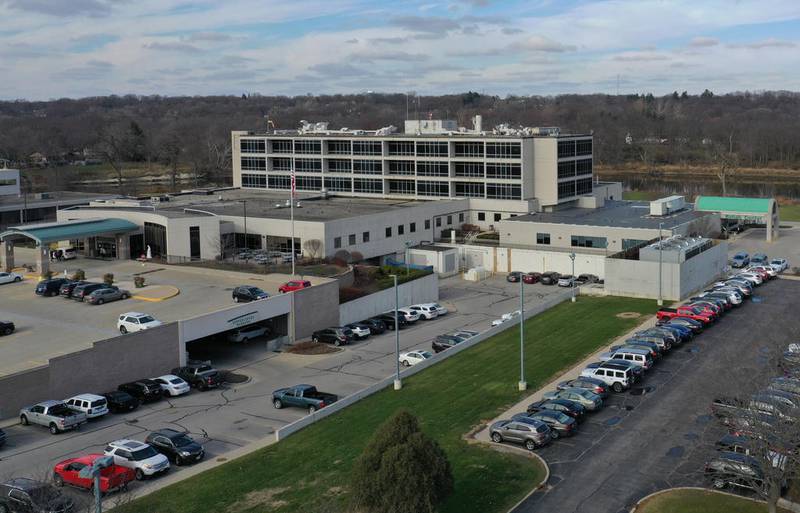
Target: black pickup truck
{"points": [[304, 396], [199, 375]]}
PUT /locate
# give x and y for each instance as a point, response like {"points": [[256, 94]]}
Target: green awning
{"points": [[69, 230], [730, 204]]}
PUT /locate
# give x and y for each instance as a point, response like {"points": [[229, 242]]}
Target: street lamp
{"points": [[397, 383], [660, 261], [408, 245], [522, 385], [572, 257], [93, 472]]}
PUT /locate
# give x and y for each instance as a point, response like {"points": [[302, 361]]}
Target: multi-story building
{"points": [[432, 160]]}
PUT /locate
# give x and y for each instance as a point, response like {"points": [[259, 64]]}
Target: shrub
{"points": [[79, 275], [401, 470], [350, 293], [138, 281], [108, 278]]}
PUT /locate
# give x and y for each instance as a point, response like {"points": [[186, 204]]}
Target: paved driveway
{"points": [[662, 437]]}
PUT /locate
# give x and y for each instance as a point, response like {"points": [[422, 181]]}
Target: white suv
{"points": [[92, 405], [426, 311], [141, 457], [135, 321], [408, 314]]}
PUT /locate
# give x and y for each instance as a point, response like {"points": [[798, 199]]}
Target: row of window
{"points": [[579, 241], [574, 148], [576, 188], [401, 230], [471, 149], [574, 167], [375, 186]]}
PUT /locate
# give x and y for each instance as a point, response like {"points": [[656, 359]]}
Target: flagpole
{"points": [[291, 214]]}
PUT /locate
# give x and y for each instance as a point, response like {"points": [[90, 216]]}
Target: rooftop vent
{"points": [[666, 206]]}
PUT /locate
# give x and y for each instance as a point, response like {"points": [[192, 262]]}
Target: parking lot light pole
{"points": [[572, 257], [398, 384], [522, 384], [660, 261]]}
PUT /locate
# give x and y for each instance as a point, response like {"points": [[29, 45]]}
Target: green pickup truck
{"points": [[304, 396]]}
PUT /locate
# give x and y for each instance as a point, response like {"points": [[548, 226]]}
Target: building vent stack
{"points": [[477, 122]]}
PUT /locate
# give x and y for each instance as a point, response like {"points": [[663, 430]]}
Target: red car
{"points": [[531, 277], [684, 311], [289, 286], [111, 478]]}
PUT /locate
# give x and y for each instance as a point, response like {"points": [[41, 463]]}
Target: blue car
{"points": [[740, 260]]}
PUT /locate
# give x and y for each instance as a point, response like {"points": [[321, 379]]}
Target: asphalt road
{"points": [[237, 415], [660, 434]]}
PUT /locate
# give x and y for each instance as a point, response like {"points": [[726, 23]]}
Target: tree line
{"points": [[754, 129]]}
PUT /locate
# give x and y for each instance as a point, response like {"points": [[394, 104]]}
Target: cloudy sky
{"points": [[75, 48]]}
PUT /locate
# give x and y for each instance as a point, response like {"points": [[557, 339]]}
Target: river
{"points": [[698, 186]]}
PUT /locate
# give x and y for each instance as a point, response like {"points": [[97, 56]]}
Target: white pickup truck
{"points": [[56, 415]]}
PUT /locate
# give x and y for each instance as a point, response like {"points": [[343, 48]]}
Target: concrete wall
{"points": [[315, 308], [13, 189], [422, 290], [545, 161], [99, 369], [637, 278], [524, 233]]}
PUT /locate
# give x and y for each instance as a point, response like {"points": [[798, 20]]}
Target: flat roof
{"points": [[334, 134], [623, 214], [734, 204], [166, 212], [69, 230], [50, 199]]}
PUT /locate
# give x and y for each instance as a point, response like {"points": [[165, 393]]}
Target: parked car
{"points": [[388, 320], [376, 326], [131, 322], [589, 400], [293, 285], [49, 288], [737, 470], [120, 402], [411, 316], [531, 278], [754, 279], [683, 333], [684, 311], [7, 327], [695, 326], [304, 396], [336, 336], [759, 259], [10, 277], [595, 385], [360, 331], [106, 295], [779, 264], [414, 357], [199, 375], [566, 280], [725, 408], [247, 293], [142, 458], [145, 390], [2, 438], [790, 385], [650, 347], [176, 446], [530, 434], [740, 260], [571, 408], [69, 287], [92, 405], [112, 478], [445, 342], [549, 278], [510, 316], [172, 385], [24, 495], [560, 423], [80, 292], [514, 277], [247, 333], [55, 415], [465, 334], [618, 379], [586, 278], [426, 311], [640, 357]]}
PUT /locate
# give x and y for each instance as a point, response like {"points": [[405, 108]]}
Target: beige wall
{"points": [[315, 308]]}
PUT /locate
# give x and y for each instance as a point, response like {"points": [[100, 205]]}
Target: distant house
{"points": [[37, 159]]}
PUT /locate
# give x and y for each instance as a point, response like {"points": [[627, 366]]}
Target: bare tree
{"points": [[313, 247], [112, 147], [727, 162]]}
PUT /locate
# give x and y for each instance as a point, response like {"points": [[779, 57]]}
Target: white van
{"points": [[92, 405]]}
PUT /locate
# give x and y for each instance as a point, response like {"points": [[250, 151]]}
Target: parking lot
{"points": [[786, 246], [236, 415], [661, 432]]}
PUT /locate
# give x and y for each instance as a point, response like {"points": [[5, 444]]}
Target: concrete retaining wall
{"points": [[315, 308], [361, 394], [421, 290]]}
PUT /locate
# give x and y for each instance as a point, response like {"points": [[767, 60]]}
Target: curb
{"points": [[696, 488], [158, 299]]}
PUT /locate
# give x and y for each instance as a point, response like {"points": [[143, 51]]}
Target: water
{"points": [[686, 186]]}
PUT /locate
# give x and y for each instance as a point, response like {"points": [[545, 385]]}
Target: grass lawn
{"points": [[309, 471], [696, 501], [641, 195], [789, 212]]}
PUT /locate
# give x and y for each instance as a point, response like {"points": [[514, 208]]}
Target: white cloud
{"points": [[703, 42]]}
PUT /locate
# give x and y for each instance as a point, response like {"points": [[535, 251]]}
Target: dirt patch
{"points": [[335, 491], [629, 315], [259, 498], [312, 348]]}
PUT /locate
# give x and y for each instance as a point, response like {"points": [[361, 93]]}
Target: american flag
{"points": [[293, 184]]}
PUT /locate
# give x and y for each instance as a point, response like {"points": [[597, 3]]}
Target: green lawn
{"points": [[789, 212], [641, 195], [308, 472], [696, 501]]}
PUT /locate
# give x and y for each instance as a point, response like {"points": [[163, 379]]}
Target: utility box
{"points": [[666, 206]]}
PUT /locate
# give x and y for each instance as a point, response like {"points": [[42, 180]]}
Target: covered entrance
{"points": [[757, 211], [108, 238]]}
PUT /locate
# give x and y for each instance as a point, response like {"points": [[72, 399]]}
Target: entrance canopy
{"points": [[46, 233], [745, 210]]}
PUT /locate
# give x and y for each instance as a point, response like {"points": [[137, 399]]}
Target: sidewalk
{"points": [[574, 372]]}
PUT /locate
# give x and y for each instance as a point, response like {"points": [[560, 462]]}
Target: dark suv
{"points": [[549, 278], [199, 375], [445, 342], [23, 495], [50, 288], [82, 291], [6, 327], [247, 293], [388, 320], [69, 287], [336, 336], [145, 390], [120, 402], [176, 446]]}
